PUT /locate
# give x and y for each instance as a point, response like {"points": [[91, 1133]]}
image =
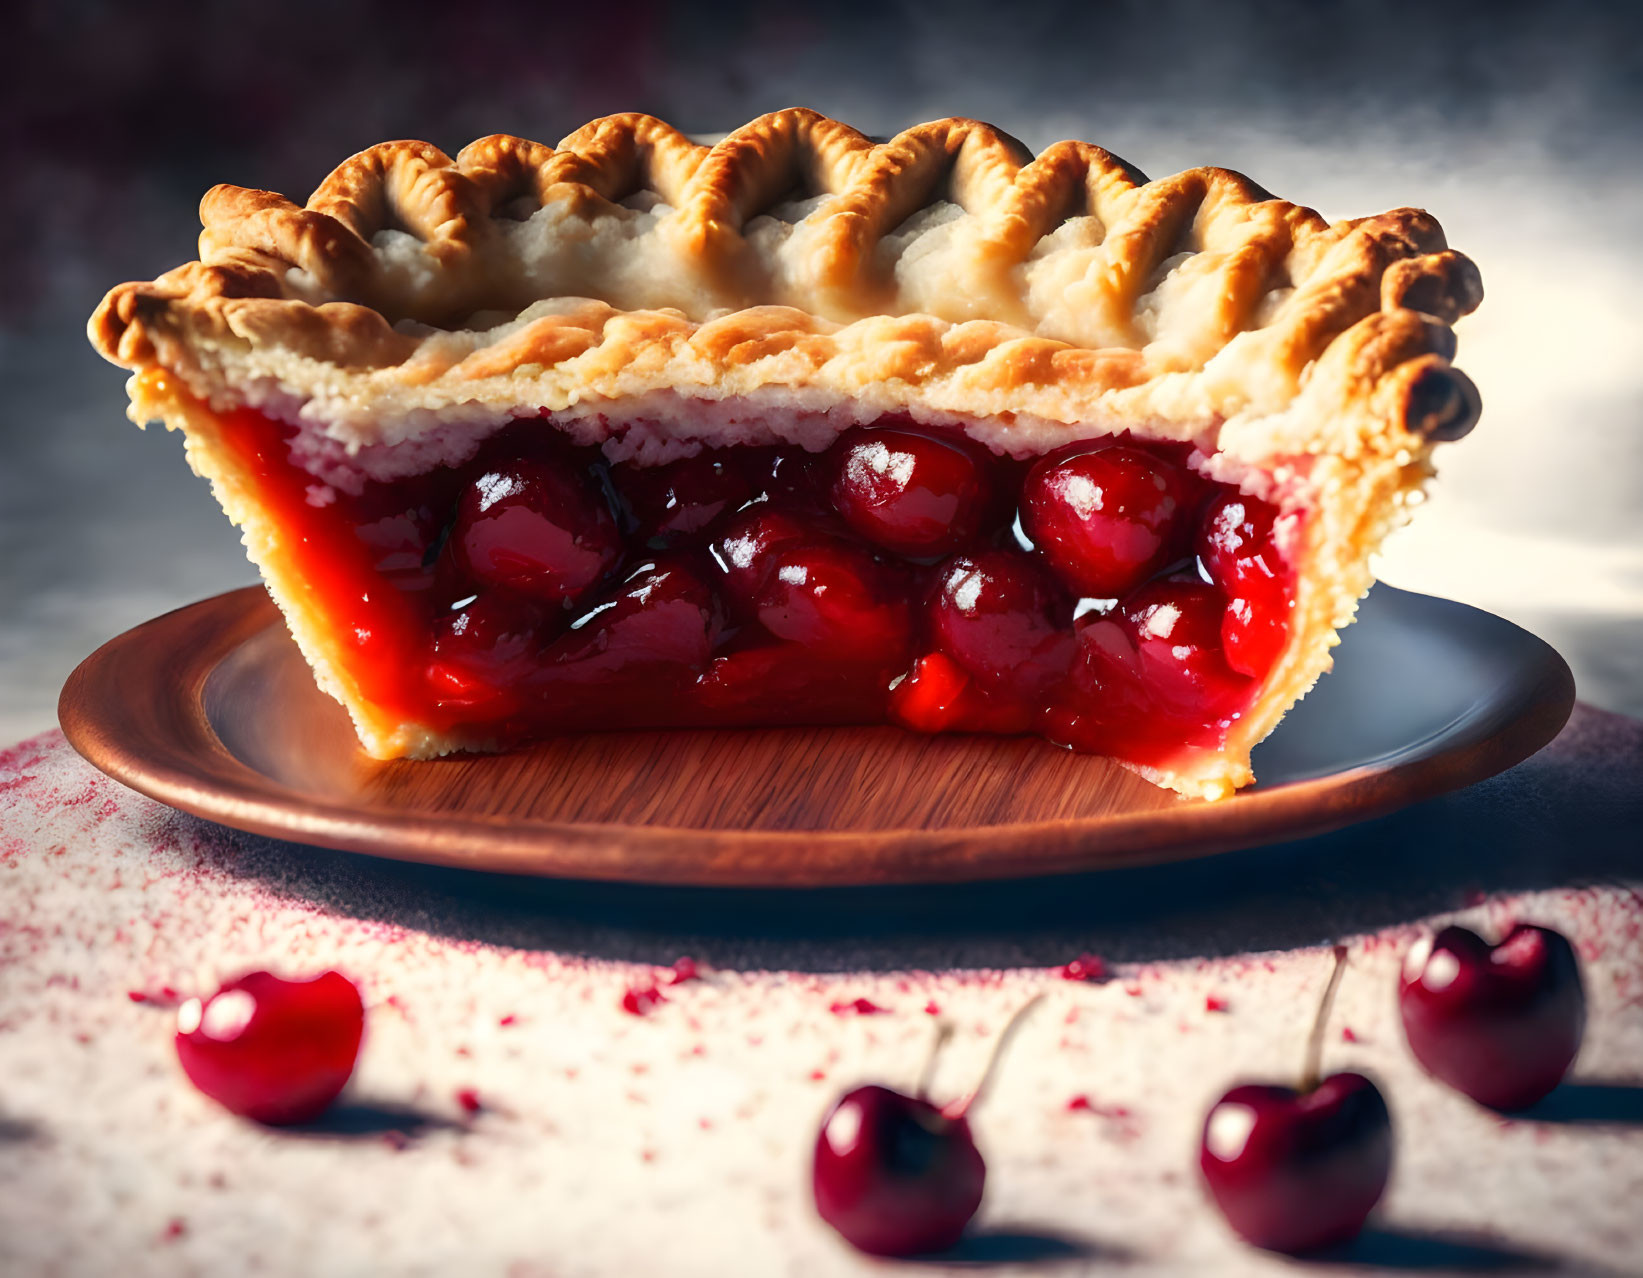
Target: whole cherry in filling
{"points": [[1003, 617], [808, 587], [664, 617], [538, 527], [745, 550], [914, 493], [484, 646], [1176, 629], [273, 1050], [1106, 516], [897, 1175], [1154, 670], [1238, 550], [827, 594], [672, 502]]}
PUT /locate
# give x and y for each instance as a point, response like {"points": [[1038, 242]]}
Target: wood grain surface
{"points": [[212, 710]]}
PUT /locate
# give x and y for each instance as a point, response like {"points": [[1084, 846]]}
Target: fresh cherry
{"points": [[1292, 1169], [1239, 552], [273, 1050], [895, 1174], [918, 494], [1006, 620], [1295, 1171], [536, 527], [1500, 1023], [672, 502], [1104, 516]]}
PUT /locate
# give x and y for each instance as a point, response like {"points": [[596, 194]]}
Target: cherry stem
{"points": [[1315, 1040], [1004, 1036], [944, 1032]]}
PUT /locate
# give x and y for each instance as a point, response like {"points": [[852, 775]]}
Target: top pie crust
{"points": [[796, 278]]}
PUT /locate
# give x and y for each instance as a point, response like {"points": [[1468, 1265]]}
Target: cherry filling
{"points": [[1105, 596]]}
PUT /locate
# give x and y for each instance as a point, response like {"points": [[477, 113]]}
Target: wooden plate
{"points": [[212, 710]]}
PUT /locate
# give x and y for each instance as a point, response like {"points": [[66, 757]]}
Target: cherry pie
{"points": [[798, 428]]}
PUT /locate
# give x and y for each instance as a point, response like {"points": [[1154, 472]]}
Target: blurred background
{"points": [[1519, 125]]}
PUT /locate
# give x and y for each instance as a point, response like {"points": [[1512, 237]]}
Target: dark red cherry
{"points": [[745, 550], [273, 1050], [1500, 1023], [826, 594], [894, 1175], [484, 647], [1176, 626], [1296, 1170], [1105, 517], [537, 527], [911, 492], [672, 502], [1160, 656], [664, 615], [1004, 618], [1238, 549], [788, 476]]}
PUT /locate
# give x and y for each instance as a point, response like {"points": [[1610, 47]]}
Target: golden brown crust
{"points": [[798, 268], [316, 283]]}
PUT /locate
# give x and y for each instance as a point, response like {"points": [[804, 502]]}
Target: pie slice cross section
{"points": [[800, 428]]}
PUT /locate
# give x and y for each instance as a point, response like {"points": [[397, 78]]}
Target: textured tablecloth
{"points": [[510, 1117]]}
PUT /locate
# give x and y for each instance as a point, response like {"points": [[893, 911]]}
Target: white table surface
{"points": [[676, 1143]]}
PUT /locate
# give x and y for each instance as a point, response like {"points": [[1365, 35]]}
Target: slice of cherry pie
{"points": [[802, 429]]}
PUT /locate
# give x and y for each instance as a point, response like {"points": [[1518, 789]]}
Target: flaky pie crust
{"points": [[657, 295]]}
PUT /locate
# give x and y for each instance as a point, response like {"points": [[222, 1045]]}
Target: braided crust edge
{"points": [[300, 296]]}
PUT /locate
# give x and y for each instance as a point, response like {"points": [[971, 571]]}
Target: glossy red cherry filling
{"points": [[1105, 517], [1003, 616], [906, 573], [1237, 549], [1153, 673], [911, 492], [538, 527]]}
